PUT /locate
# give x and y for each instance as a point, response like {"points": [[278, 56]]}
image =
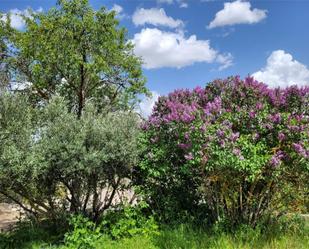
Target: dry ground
{"points": [[9, 215]]}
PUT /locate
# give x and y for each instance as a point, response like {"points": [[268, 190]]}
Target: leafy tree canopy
{"points": [[77, 52]]}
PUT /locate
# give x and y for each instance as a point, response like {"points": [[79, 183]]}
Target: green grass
{"points": [[177, 242], [180, 237]]}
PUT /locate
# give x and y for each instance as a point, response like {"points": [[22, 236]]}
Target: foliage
{"points": [[4, 70], [128, 222], [52, 162], [84, 235], [77, 52], [28, 233], [117, 224], [236, 146], [188, 236]]}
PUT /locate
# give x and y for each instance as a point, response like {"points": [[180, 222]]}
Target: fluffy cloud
{"points": [[17, 21], [172, 49], [147, 104], [237, 12], [282, 70], [156, 17]]}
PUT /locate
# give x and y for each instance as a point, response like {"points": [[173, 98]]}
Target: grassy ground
{"points": [[181, 237], [176, 239], [173, 240]]}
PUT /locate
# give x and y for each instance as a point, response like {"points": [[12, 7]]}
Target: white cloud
{"points": [[156, 17], [165, 1], [172, 49], [119, 11], [17, 21], [181, 3], [282, 70], [238, 12], [147, 104], [117, 8], [226, 60]]}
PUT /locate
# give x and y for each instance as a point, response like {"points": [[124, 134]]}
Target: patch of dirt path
{"points": [[9, 215]]}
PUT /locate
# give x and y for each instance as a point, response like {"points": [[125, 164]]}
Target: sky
{"points": [[186, 43]]}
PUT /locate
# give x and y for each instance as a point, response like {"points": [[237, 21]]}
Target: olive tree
{"points": [[53, 162], [4, 70]]}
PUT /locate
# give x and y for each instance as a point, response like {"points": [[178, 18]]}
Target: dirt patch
{"points": [[9, 215]]}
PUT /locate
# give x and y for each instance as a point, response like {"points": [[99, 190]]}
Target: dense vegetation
{"points": [[53, 162], [235, 150], [73, 51], [223, 166]]}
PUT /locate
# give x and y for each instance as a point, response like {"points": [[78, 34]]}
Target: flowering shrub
{"points": [[235, 146]]}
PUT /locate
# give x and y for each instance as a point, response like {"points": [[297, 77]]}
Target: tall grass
{"points": [[180, 237]]}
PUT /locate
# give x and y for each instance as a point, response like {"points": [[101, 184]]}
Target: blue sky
{"points": [[188, 43]]}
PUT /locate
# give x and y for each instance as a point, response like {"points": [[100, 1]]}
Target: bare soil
{"points": [[9, 215]]}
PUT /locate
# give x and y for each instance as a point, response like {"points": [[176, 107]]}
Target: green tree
{"points": [[4, 71], [16, 125], [68, 142], [79, 53], [52, 162]]}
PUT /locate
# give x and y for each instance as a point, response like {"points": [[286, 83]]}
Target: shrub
{"points": [[129, 221], [125, 222], [52, 162], [84, 235], [235, 146]]}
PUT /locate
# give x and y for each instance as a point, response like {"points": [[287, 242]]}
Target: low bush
{"points": [[84, 234], [125, 222], [128, 222]]}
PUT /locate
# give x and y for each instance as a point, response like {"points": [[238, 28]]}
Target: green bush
{"points": [[84, 235], [128, 222]]}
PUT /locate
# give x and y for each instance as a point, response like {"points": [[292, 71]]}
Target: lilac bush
{"points": [[231, 146]]}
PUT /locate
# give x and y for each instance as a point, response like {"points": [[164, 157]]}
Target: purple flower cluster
{"points": [[275, 118], [224, 111], [234, 137], [281, 136], [298, 147], [184, 146], [276, 159], [213, 106], [223, 96]]}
